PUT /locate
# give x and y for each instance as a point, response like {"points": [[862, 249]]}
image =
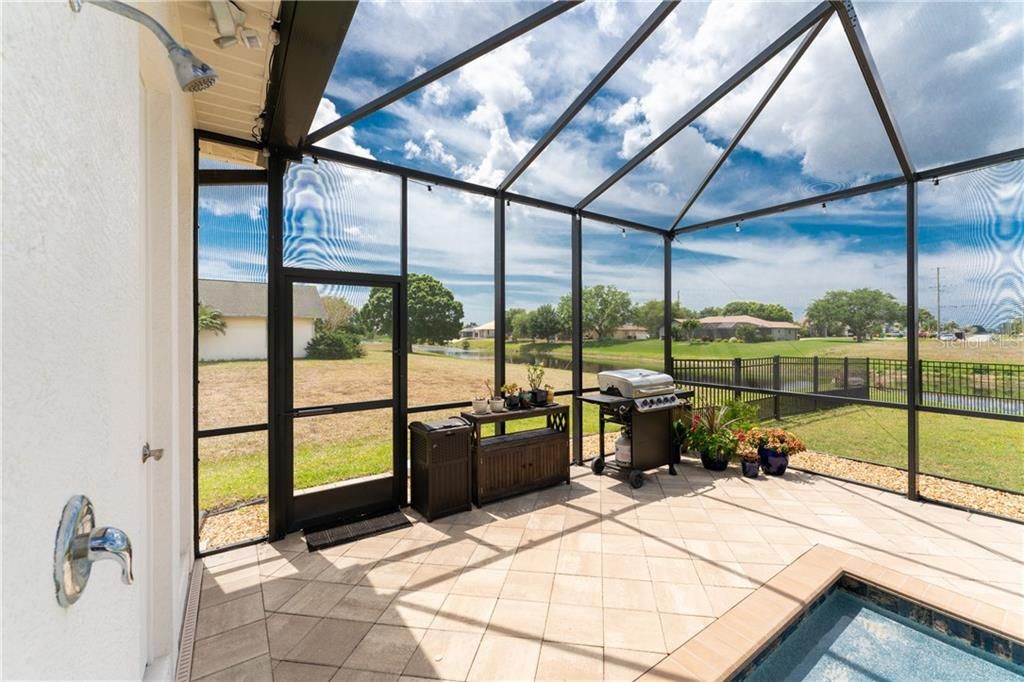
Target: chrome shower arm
{"points": [[126, 10]]}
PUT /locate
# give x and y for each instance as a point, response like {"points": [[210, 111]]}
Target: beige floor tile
{"points": [[622, 665], [289, 671], [527, 586], [625, 567], [492, 558], [574, 625], [372, 548], [636, 630], [452, 553], [304, 566], [628, 594], [433, 578], [444, 655], [257, 669], [231, 614], [665, 569], [229, 648], [760, 552], [546, 522], [685, 599], [276, 592], [330, 642], [390, 574], [285, 631], [218, 591], [480, 582], [535, 560], [315, 599], [502, 658], [539, 538], [562, 662], [724, 598], [572, 562], [503, 536], [622, 544], [412, 608], [385, 648], [363, 603], [518, 618], [346, 569], [414, 551], [464, 613], [677, 629], [349, 675], [580, 590], [582, 541]]}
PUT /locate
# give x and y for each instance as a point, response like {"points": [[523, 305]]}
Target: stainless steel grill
{"points": [[649, 391]]}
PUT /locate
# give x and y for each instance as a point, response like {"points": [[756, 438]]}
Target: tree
{"points": [[211, 319], [748, 333], [650, 316], [604, 309], [338, 313], [710, 311], [925, 320], [511, 316], [434, 314], [522, 325], [764, 311], [545, 323], [688, 326], [862, 311], [338, 343]]}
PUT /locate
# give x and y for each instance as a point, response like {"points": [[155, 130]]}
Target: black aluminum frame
{"points": [[808, 27]]}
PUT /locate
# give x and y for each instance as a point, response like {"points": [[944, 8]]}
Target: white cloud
{"points": [[345, 139]]}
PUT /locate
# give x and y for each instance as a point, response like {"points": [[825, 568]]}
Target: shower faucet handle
{"points": [[79, 544]]}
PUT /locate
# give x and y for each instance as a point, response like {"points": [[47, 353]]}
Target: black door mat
{"points": [[355, 529]]}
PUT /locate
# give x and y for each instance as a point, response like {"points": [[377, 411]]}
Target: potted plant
{"points": [[774, 446], [481, 405], [495, 402], [511, 394], [712, 436], [535, 377], [750, 461]]}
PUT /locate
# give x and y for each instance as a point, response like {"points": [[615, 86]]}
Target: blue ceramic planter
{"points": [[773, 463]]}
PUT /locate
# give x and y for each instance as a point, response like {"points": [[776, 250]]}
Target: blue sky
{"points": [[956, 94]]}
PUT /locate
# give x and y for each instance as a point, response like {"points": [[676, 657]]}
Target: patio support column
{"points": [[912, 343], [279, 462], [402, 418], [667, 314], [577, 337], [499, 297]]}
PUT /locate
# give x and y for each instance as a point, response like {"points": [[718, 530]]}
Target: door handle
{"points": [[79, 544]]}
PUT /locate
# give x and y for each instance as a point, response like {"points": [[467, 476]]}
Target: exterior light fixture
{"points": [[737, 227], [623, 233], [229, 20], [192, 73], [429, 188], [935, 182], [824, 207]]}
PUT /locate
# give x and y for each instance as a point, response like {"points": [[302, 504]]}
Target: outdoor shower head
{"points": [[192, 73]]}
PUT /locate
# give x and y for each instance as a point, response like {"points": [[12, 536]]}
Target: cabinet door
{"points": [[550, 459]]}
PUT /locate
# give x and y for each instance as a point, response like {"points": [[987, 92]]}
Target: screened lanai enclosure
{"points": [[440, 195]]}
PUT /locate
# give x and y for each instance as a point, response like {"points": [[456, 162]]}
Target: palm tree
{"points": [[211, 319]]}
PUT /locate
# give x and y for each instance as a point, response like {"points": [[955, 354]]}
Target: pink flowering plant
{"points": [[780, 440]]}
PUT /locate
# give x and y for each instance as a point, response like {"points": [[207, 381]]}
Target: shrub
{"points": [[777, 439], [741, 414], [711, 432], [334, 344]]}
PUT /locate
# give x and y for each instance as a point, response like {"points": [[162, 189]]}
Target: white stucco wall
{"points": [[96, 330], [245, 338]]}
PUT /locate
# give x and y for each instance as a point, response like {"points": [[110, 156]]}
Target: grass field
{"points": [[985, 451], [338, 447]]}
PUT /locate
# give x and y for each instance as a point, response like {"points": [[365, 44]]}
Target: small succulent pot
{"points": [[750, 468], [512, 401], [497, 404], [540, 397], [714, 461], [525, 398], [481, 406], [773, 462]]}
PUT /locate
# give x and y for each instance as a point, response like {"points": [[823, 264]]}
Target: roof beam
{"points": [[652, 22], [861, 51], [721, 91], [311, 37], [772, 89], [512, 32]]}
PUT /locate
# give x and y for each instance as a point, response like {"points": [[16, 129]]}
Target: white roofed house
{"points": [[243, 307], [483, 331], [725, 326]]}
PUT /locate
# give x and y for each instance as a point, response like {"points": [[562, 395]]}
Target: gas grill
{"points": [[644, 403]]}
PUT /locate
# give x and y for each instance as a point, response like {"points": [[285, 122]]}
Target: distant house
{"points": [[244, 307], [483, 331], [631, 332], [724, 327]]}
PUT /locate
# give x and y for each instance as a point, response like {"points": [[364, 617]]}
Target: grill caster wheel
{"points": [[636, 479], [597, 466]]}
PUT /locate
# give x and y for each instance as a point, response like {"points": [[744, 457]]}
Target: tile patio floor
{"points": [[588, 581]]}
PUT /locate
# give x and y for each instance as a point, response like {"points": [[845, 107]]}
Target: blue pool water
{"points": [[844, 638]]}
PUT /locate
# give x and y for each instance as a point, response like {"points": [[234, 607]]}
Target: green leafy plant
{"points": [[510, 389], [334, 344], [780, 440], [742, 415], [211, 319], [535, 376], [711, 432]]}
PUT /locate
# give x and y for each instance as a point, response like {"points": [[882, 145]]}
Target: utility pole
{"points": [[938, 300]]}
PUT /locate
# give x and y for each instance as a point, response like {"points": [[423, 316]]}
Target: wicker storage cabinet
{"points": [[440, 469]]}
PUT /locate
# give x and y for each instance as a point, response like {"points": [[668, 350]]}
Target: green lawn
{"points": [[984, 451], [652, 349]]}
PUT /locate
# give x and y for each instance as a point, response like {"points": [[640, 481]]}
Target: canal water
{"points": [[542, 359]]}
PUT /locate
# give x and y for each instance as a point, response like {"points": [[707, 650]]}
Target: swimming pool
{"points": [[851, 637]]}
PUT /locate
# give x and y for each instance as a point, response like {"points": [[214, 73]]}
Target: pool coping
{"points": [[724, 647]]}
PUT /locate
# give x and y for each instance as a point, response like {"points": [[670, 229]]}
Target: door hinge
{"points": [[148, 453]]}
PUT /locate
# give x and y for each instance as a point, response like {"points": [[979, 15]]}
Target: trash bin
{"points": [[440, 465]]}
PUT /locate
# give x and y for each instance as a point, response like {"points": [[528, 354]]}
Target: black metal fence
{"points": [[786, 386]]}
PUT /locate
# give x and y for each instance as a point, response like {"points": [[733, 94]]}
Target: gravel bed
{"points": [[1006, 504], [230, 527]]}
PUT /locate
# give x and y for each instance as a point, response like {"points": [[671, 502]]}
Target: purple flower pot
{"points": [[750, 469], [773, 462]]}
